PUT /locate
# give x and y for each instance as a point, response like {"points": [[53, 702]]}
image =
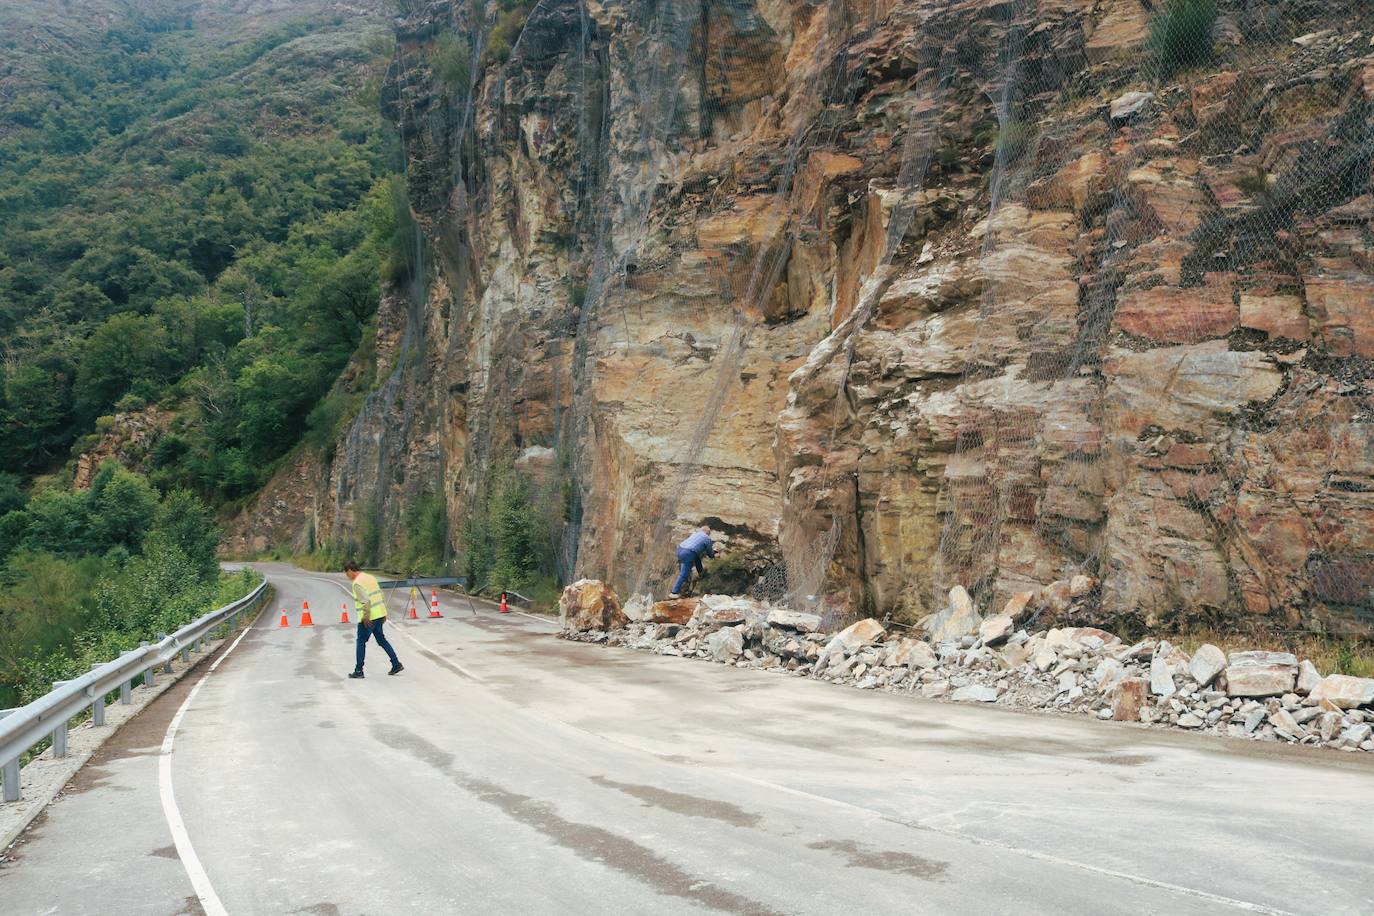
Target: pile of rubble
{"points": [[1259, 695]]}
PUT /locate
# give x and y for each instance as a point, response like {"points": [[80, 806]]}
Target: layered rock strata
{"points": [[896, 296]]}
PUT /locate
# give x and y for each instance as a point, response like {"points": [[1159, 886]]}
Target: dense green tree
{"points": [[59, 522], [36, 407], [11, 493], [517, 535], [123, 351], [187, 523], [122, 509]]}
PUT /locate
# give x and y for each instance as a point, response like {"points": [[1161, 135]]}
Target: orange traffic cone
{"points": [[505, 609], [434, 605], [343, 618], [284, 622], [305, 615], [411, 615]]}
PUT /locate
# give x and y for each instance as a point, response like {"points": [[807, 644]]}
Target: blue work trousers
{"points": [[374, 630], [687, 559]]}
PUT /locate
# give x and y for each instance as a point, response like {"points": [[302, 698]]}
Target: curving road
{"points": [[507, 771]]}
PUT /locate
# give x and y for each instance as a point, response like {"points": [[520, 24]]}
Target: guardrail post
{"points": [[167, 666], [59, 734], [126, 691], [98, 707], [149, 675], [9, 772], [186, 655]]}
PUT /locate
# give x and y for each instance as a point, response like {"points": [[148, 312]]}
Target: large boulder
{"points": [[1207, 662], [957, 620], [1308, 677], [910, 653], [1261, 674], [1129, 698], [677, 610], [851, 639], [590, 604], [858, 636], [1344, 691], [637, 608], [995, 629], [725, 644]]}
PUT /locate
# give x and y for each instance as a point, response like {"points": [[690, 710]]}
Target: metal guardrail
{"points": [[47, 716], [423, 581]]}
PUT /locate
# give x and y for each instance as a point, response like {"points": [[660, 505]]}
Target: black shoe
{"points": [[397, 668], [355, 674]]}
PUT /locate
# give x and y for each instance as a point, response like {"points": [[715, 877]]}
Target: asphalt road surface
{"points": [[507, 771]]}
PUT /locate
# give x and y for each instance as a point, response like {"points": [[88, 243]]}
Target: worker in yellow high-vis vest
{"points": [[371, 605]]}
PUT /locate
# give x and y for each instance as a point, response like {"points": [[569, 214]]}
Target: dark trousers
{"points": [[686, 559], [373, 629]]}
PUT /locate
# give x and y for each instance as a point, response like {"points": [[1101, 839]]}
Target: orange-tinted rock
{"points": [[1119, 30], [1277, 314], [1214, 98], [1174, 315], [1130, 698], [678, 610], [1342, 306], [589, 604]]}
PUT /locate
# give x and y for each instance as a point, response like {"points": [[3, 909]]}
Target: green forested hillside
{"points": [[197, 208]]}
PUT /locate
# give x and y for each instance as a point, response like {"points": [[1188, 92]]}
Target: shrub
{"points": [[370, 534], [426, 531], [450, 62], [506, 32], [1181, 35], [727, 575], [516, 532], [506, 541]]}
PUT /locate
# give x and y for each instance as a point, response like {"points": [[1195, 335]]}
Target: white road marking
{"points": [[200, 881]]}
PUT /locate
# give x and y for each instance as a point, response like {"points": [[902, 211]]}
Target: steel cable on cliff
{"points": [[917, 151]]}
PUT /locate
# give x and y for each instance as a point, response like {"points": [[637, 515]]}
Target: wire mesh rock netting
{"points": [[918, 294]]}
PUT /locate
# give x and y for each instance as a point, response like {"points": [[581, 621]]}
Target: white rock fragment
{"points": [[1308, 677], [1283, 723], [1161, 675], [1261, 674], [794, 620], [958, 620], [1127, 106], [976, 692], [995, 629], [1344, 691], [725, 644], [1207, 662]]}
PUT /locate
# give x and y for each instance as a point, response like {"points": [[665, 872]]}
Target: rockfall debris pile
{"points": [[1271, 696]]}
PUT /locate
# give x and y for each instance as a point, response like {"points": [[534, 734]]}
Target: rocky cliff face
{"points": [[896, 295]]}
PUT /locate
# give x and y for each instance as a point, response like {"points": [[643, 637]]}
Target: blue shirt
{"points": [[699, 542]]}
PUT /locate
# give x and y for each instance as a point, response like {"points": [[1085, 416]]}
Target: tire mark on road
{"points": [[586, 841]]}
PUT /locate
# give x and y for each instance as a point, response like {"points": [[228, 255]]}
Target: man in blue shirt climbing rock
{"points": [[689, 554]]}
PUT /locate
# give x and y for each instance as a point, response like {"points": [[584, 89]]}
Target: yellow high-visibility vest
{"points": [[367, 594]]}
